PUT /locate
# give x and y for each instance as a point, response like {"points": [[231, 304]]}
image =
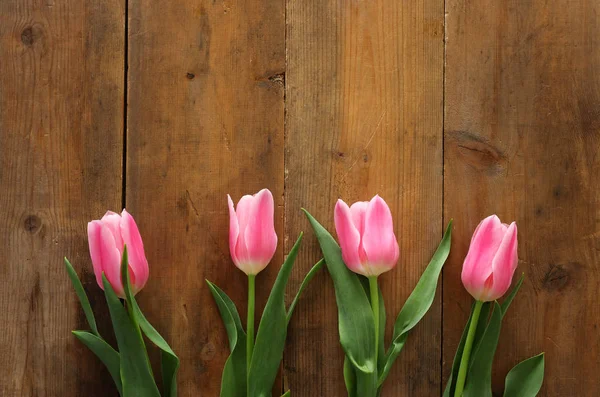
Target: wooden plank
{"points": [[61, 131], [522, 132], [205, 119], [364, 116]]}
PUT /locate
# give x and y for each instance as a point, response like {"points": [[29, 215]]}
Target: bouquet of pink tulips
{"points": [[368, 249], [121, 270], [487, 274]]}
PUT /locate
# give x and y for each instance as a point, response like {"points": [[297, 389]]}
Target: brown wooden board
{"points": [[205, 118], [364, 116], [61, 131], [522, 121]]}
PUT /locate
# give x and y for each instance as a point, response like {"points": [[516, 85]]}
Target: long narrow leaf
{"points": [[309, 276], [169, 360], [272, 331], [481, 329], [355, 318], [382, 322], [508, 300], [109, 356], [349, 377], [83, 299], [526, 378], [418, 303], [485, 310], [233, 380], [136, 373], [479, 376]]}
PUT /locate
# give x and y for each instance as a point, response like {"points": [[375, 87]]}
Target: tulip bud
{"points": [[106, 238], [252, 237], [366, 235], [492, 259]]}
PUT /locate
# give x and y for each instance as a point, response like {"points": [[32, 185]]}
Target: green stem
{"points": [[250, 322], [464, 361], [375, 306]]}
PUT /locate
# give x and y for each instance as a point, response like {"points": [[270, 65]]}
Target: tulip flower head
{"points": [[366, 236], [252, 237], [106, 238], [492, 259]]}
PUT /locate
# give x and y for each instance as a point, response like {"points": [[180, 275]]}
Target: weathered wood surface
{"points": [[61, 123], [205, 118], [521, 131], [316, 100], [364, 116]]}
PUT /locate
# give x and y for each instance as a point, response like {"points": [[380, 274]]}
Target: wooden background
{"points": [[448, 109]]}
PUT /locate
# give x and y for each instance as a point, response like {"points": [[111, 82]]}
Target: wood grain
{"points": [[205, 118], [61, 130], [364, 103], [522, 134]]}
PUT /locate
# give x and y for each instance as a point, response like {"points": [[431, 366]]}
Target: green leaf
{"points": [[481, 328], [169, 360], [136, 373], [309, 276], [418, 303], [479, 376], [233, 381], [109, 356], [349, 377], [355, 318], [286, 394], [272, 331], [83, 299], [506, 303], [526, 378], [483, 317], [382, 321]]}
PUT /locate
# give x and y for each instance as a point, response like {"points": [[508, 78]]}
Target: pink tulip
{"points": [[492, 259], [252, 237], [366, 235], [106, 238]]}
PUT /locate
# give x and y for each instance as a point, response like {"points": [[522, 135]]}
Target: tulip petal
{"points": [[105, 256], [138, 264], [359, 212], [234, 230], [113, 221], [259, 234], [505, 262], [94, 229], [477, 266], [348, 237], [244, 214], [379, 240]]}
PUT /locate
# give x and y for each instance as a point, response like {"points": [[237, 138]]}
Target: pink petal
{"points": [[113, 221], [107, 256], [348, 237], [359, 211], [234, 230], [94, 229], [379, 240], [138, 264], [260, 235], [477, 266], [244, 214], [505, 263]]}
